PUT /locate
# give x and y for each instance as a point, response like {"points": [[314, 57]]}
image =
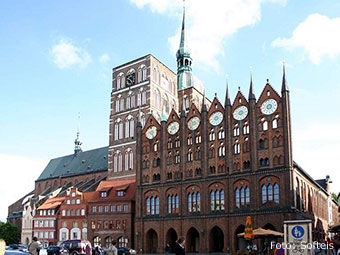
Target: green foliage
{"points": [[9, 232], [335, 197]]}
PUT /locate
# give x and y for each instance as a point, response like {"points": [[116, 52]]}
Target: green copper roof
{"points": [[76, 164]]}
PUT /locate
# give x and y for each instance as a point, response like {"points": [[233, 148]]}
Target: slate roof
{"points": [[76, 164]]}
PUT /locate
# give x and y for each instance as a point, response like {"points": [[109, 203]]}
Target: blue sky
{"points": [[56, 59]]}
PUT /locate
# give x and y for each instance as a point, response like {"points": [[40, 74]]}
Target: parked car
{"points": [[16, 252], [56, 250], [19, 247], [125, 251], [76, 247]]}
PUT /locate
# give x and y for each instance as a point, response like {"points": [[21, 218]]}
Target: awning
{"points": [[259, 232], [335, 229]]}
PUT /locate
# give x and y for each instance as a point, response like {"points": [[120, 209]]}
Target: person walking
{"points": [[34, 247], [167, 249], [112, 249], [180, 247]]}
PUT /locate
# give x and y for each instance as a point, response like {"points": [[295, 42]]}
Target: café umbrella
{"points": [[248, 231]]}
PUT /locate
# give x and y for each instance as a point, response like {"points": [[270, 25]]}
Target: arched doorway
{"points": [[151, 241], [240, 242], [192, 240], [268, 240], [171, 237], [216, 240], [269, 226]]}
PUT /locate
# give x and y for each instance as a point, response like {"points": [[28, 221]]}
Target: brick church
{"points": [[197, 167]]}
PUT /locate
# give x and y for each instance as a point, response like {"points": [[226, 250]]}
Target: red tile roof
{"points": [[112, 186], [52, 203]]}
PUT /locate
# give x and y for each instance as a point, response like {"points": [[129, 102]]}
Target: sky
{"points": [[56, 59]]}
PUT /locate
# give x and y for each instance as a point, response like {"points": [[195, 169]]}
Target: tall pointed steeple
{"points": [[284, 87], [184, 60], [77, 142], [204, 105], [227, 101], [251, 88]]}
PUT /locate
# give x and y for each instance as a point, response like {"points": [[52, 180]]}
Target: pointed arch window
{"points": [[122, 104], [118, 81], [116, 136], [128, 102], [148, 206], [221, 133], [121, 131], [126, 161], [143, 97], [270, 192], [237, 197], [133, 101], [139, 99], [117, 105], [246, 128], [212, 135], [139, 79], [264, 194], [132, 127], [265, 125], [276, 193], [236, 130], [274, 124]]}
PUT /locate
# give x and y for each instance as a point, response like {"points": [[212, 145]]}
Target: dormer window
{"points": [[120, 193], [73, 194], [103, 194]]}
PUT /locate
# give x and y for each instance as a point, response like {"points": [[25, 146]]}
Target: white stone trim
{"points": [[131, 87], [122, 144], [131, 64]]}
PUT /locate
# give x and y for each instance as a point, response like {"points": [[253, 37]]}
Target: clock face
{"points": [[193, 123], [216, 118], [269, 106], [240, 112], [130, 79], [173, 128], [151, 132]]}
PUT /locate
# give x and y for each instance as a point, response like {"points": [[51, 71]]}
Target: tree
{"points": [[9, 232], [335, 197]]}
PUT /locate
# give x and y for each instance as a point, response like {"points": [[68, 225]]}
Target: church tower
{"points": [[190, 89]]}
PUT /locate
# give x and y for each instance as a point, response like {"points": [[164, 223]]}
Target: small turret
{"points": [[77, 142]]}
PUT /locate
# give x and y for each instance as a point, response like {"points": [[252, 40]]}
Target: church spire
{"points": [[251, 88], [284, 87], [204, 105], [184, 61], [182, 42], [77, 142], [227, 101]]}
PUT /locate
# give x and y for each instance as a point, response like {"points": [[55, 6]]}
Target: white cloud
{"points": [[318, 35], [104, 58], [209, 23], [316, 152], [18, 175], [65, 55]]}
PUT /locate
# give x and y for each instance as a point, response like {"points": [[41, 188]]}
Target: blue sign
{"points": [[298, 231]]}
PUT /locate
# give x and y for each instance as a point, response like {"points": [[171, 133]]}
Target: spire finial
{"points": [[227, 101], [77, 142], [251, 88], [284, 81], [204, 106]]}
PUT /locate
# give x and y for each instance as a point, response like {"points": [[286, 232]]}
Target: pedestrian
{"points": [[112, 249], [34, 247], [88, 250], [180, 247], [167, 249]]}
